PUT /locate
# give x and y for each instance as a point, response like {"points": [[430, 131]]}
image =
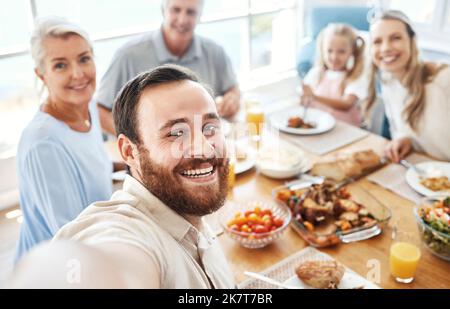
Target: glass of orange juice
{"points": [[254, 118], [404, 257]]}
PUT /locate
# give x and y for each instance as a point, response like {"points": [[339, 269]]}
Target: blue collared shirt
{"points": [[206, 58]]}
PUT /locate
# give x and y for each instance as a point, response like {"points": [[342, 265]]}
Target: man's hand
{"points": [[228, 104]]}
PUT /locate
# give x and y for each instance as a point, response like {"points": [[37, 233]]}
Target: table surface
{"points": [[369, 258]]}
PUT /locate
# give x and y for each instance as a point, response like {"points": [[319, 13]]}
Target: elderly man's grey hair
{"points": [[165, 3], [52, 26]]}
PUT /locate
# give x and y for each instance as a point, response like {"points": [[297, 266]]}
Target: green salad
{"points": [[436, 233]]}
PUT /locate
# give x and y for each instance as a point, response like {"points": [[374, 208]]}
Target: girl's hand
{"points": [[398, 149], [307, 95], [307, 91]]}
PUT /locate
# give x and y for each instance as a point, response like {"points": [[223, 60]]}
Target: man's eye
{"points": [[176, 133], [210, 130]]}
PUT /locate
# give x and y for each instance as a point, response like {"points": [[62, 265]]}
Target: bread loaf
{"points": [[347, 166]]}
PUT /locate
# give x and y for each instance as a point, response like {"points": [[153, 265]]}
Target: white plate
{"points": [[324, 122], [249, 162], [350, 280], [413, 179], [244, 165]]}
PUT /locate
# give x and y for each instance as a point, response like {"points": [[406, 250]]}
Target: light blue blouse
{"points": [[61, 171]]}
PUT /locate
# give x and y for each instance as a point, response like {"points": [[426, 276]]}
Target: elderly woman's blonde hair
{"points": [[55, 27]]}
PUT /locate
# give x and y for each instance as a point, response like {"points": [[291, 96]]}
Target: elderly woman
{"points": [[416, 94], [62, 163]]}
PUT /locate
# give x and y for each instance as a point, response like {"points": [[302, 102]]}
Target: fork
{"points": [[305, 108], [421, 172]]}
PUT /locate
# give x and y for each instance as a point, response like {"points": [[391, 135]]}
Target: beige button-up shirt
{"points": [[186, 257]]}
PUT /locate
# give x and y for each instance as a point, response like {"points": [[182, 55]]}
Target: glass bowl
{"points": [[436, 241], [251, 239], [325, 235]]}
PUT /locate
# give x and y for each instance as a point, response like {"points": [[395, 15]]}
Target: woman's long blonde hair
{"points": [[418, 74], [357, 45]]}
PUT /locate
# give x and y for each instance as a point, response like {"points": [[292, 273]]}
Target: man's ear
{"points": [[128, 150]]}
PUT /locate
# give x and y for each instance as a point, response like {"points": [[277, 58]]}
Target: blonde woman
{"points": [[416, 94], [336, 83], [62, 162]]}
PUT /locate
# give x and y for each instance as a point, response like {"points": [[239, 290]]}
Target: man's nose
{"points": [[183, 18], [202, 147]]}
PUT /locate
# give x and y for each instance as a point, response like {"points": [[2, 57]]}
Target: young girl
{"points": [[416, 94], [336, 84]]}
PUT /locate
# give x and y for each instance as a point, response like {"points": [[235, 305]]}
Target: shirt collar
{"points": [[164, 55], [177, 226]]}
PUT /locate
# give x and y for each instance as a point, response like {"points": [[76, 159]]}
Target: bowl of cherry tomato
{"points": [[256, 224]]}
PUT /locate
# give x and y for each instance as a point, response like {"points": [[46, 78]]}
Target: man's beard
{"points": [[167, 186]]}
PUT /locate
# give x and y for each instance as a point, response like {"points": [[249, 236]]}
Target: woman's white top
{"points": [[432, 135]]}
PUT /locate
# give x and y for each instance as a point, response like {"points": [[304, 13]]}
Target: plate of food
{"points": [[282, 161], [434, 181], [327, 214], [291, 121], [308, 268], [327, 274], [245, 157]]}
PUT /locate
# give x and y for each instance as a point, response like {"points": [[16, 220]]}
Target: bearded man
{"points": [[151, 233]]}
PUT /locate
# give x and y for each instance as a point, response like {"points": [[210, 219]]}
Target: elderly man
{"points": [[151, 232], [175, 43]]}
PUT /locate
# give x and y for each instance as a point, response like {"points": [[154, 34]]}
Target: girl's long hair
{"points": [[357, 44], [418, 74]]}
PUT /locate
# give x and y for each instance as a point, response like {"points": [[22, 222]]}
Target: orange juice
{"points": [[255, 120], [403, 261]]}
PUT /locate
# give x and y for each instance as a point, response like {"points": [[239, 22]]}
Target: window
{"points": [[418, 11], [431, 20], [256, 34], [15, 17]]}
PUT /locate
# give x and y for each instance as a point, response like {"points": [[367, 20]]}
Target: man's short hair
{"points": [[165, 3], [126, 103]]}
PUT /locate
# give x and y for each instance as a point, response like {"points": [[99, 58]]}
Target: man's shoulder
{"points": [[136, 45], [210, 45], [121, 217]]}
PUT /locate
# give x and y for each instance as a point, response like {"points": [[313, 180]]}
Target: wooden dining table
{"points": [[361, 256]]}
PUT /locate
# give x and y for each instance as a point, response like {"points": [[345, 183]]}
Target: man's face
{"points": [[182, 157], [180, 19]]}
